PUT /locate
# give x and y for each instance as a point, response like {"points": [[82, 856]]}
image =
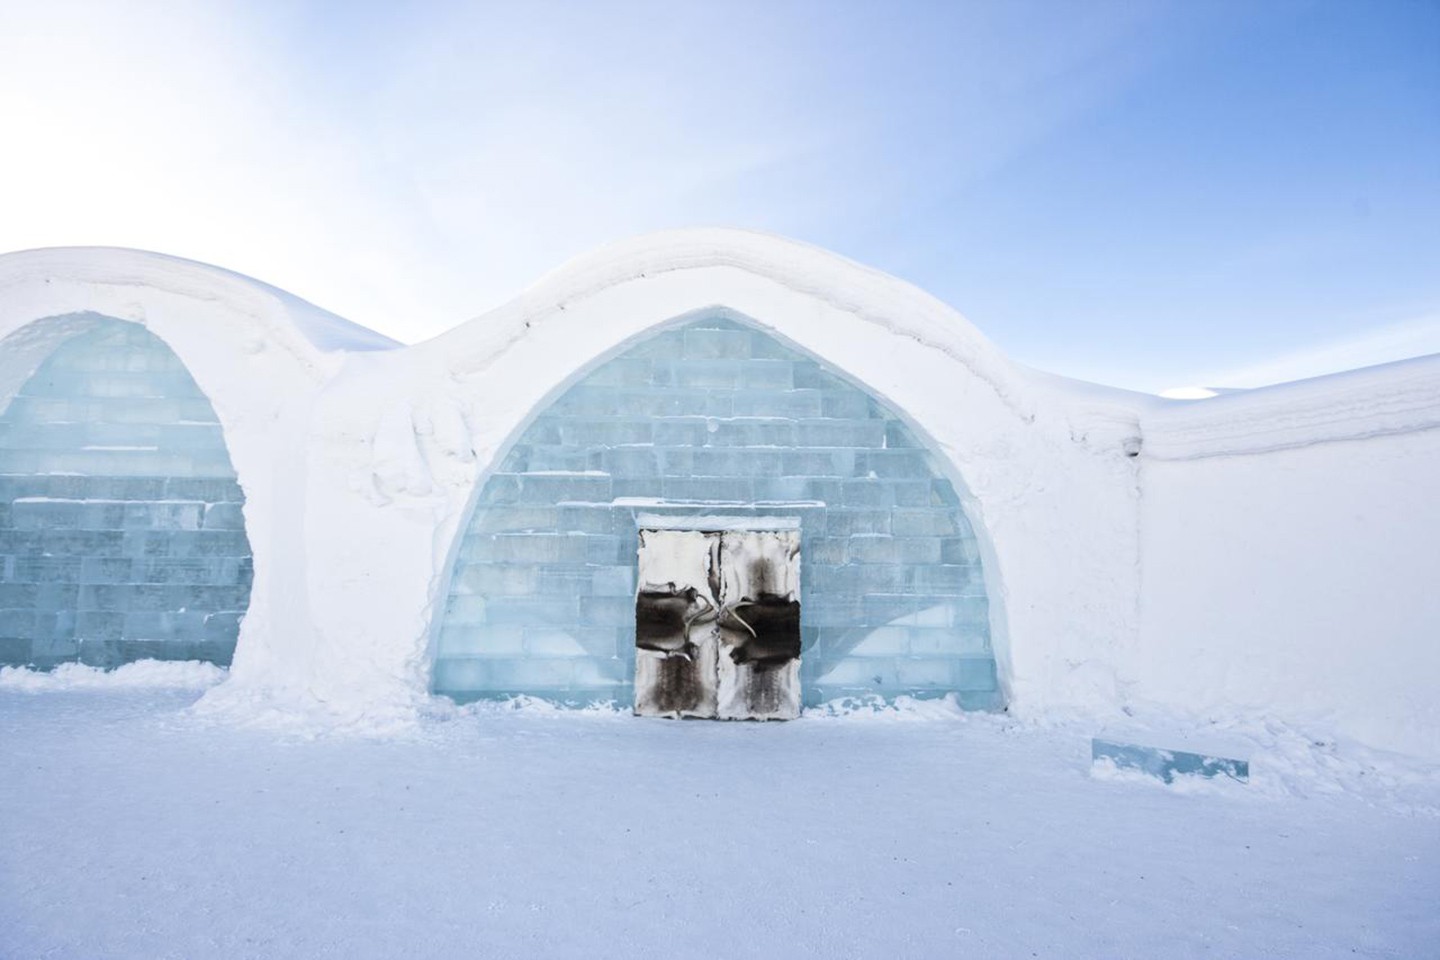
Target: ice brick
{"points": [[120, 514], [1167, 764]]}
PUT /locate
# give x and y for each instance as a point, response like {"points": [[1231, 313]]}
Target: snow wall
{"points": [[1261, 553], [1290, 546]]}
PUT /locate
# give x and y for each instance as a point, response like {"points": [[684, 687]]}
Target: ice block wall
{"points": [[713, 418], [121, 531]]}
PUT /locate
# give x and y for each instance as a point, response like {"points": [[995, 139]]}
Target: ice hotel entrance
{"points": [[194, 465], [717, 620], [714, 522]]}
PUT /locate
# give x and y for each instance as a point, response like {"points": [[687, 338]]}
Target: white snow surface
{"points": [[144, 272], [142, 674], [1262, 556], [130, 827], [1393, 398]]}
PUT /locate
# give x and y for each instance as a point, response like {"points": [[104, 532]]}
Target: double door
{"points": [[717, 624]]}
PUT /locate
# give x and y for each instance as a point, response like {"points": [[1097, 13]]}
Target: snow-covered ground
{"points": [[130, 827]]}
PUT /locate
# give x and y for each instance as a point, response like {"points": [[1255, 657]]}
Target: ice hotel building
{"points": [[704, 473]]}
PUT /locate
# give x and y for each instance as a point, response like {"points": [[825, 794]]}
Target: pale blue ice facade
{"points": [[716, 416], [122, 528], [461, 515], [122, 535]]}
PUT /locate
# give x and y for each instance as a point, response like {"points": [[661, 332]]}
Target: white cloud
{"points": [[409, 166]]}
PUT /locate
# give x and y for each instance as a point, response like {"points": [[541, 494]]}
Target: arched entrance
{"points": [[716, 418], [121, 527]]}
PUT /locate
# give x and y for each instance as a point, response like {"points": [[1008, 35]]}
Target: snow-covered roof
{"points": [[1393, 397], [285, 315], [818, 274], [1390, 398]]}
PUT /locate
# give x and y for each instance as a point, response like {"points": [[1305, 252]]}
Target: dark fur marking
{"points": [[775, 621], [678, 689], [763, 690], [660, 619]]}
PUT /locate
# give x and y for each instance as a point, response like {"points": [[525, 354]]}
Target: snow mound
{"points": [[1286, 760], [901, 709], [1107, 770], [442, 709], [864, 708], [151, 674], [291, 714]]}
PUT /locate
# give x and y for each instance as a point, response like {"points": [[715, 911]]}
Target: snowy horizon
{"points": [[1149, 196]]}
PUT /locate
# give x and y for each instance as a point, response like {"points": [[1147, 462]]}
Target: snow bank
{"points": [[896, 710], [527, 707], [1286, 761], [142, 674]]}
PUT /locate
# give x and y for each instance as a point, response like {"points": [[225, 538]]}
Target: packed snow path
{"points": [[130, 829]]}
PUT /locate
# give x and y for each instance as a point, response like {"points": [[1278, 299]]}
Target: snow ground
{"points": [[130, 828]]}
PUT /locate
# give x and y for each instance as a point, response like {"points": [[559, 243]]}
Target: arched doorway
{"points": [[121, 527], [709, 419]]}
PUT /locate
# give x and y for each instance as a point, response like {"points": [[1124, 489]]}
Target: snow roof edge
{"points": [[319, 330], [1390, 398], [869, 294]]}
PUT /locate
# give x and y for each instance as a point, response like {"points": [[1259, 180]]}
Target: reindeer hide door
{"points": [[675, 613], [717, 624], [759, 625]]}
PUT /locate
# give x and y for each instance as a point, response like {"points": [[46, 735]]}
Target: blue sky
{"points": [[1147, 194]]}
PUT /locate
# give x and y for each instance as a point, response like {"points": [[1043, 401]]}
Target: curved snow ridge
{"points": [[285, 316], [1392, 398], [869, 294]]}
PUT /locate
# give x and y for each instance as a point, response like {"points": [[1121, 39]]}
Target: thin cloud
{"points": [[410, 166], [411, 171]]}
